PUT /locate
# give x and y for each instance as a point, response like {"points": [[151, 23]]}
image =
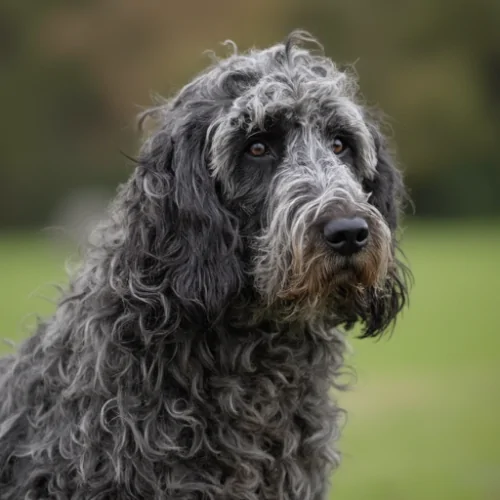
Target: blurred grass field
{"points": [[424, 414]]}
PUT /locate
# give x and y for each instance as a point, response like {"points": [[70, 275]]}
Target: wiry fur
{"points": [[193, 354]]}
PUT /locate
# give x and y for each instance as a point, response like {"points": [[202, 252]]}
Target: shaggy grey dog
{"points": [[193, 354]]}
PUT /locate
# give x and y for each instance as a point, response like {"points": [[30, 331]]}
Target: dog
{"points": [[193, 354]]}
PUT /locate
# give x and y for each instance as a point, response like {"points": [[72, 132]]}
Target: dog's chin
{"points": [[357, 272], [334, 276], [348, 276]]}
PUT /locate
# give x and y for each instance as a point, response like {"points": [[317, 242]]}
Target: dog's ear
{"points": [[186, 244], [387, 187], [381, 306]]}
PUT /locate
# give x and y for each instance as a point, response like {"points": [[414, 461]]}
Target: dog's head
{"points": [[266, 179]]}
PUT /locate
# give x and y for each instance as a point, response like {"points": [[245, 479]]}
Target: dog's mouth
{"points": [[325, 260], [361, 270], [325, 276], [321, 273], [348, 273]]}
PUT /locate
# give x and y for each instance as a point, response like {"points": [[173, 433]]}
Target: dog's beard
{"points": [[301, 276]]}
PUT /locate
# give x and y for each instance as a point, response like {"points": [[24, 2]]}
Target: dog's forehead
{"points": [[299, 82]]}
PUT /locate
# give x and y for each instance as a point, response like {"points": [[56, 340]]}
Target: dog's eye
{"points": [[257, 149], [338, 146]]}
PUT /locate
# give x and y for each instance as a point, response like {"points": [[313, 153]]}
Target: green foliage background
{"points": [[73, 74]]}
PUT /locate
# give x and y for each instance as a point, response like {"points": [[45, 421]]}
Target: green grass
{"points": [[423, 416]]}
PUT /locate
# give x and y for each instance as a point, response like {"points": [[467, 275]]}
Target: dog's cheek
{"points": [[250, 186], [386, 192]]}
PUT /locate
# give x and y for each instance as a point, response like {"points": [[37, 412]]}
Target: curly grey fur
{"points": [[193, 354]]}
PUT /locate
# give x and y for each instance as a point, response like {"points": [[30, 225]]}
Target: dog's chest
{"points": [[274, 434]]}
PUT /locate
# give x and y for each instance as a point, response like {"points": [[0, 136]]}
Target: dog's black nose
{"points": [[346, 236]]}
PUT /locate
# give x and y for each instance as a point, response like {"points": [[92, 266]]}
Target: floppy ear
{"points": [[184, 243], [381, 306], [386, 188]]}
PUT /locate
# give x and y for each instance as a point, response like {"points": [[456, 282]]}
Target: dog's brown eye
{"points": [[257, 149], [338, 146]]}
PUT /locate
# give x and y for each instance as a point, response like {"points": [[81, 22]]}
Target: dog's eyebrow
{"points": [[276, 118], [344, 116]]}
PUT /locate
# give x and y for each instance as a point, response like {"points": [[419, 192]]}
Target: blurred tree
{"points": [[73, 73]]}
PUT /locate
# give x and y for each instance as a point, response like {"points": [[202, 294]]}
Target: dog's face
{"points": [[302, 178]]}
